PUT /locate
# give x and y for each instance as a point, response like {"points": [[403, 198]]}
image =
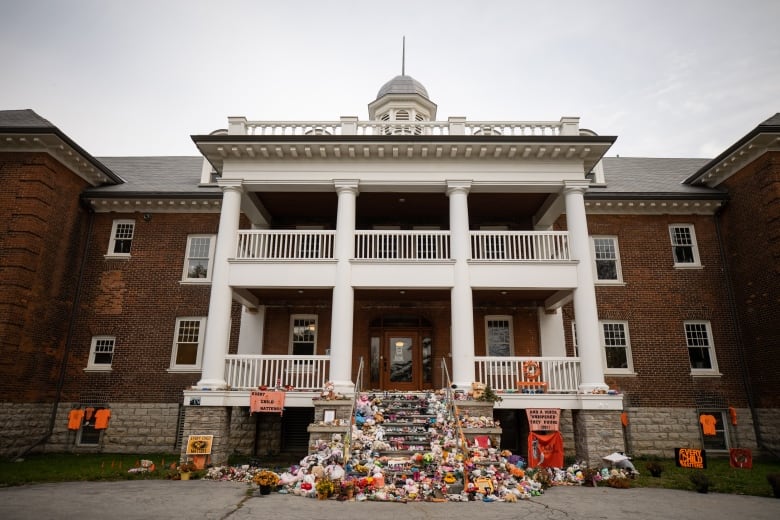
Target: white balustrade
{"points": [[526, 246], [308, 373], [262, 244], [402, 245], [561, 374], [394, 128]]}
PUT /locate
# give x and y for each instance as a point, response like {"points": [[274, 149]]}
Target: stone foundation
{"points": [[243, 428], [597, 433], [209, 420], [769, 421]]}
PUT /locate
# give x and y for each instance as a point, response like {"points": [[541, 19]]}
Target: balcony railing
{"points": [[526, 246], [410, 246], [307, 373], [284, 245], [402, 245], [560, 375], [454, 126]]}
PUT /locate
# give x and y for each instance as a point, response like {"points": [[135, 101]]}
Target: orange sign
{"points": [[690, 458], [543, 419], [266, 402]]}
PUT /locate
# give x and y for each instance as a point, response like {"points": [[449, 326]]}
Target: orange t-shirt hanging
{"points": [[75, 417], [708, 423], [545, 450], [101, 418]]}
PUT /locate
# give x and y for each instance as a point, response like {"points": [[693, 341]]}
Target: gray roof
{"points": [[402, 85], [177, 175], [646, 177], [22, 119]]}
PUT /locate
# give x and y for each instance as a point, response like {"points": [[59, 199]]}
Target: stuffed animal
{"points": [[477, 390], [329, 391]]}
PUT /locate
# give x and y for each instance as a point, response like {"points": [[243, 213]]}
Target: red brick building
{"points": [[120, 291]]}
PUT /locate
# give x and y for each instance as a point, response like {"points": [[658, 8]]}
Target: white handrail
{"points": [[561, 374], [402, 245], [308, 373], [262, 244], [527, 246]]}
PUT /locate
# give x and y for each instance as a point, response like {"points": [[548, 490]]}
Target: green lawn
{"points": [[62, 467], [723, 478], [72, 467]]}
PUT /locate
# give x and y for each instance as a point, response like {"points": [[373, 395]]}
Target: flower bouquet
{"points": [[266, 480]]}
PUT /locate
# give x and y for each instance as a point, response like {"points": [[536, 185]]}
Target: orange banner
{"points": [[266, 402]]}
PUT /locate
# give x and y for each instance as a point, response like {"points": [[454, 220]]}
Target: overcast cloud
{"points": [[670, 78]]}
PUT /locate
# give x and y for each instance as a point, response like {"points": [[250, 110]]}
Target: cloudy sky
{"points": [[670, 78]]}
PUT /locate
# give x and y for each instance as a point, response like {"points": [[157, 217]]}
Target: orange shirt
{"points": [[75, 417], [708, 424], [101, 418]]}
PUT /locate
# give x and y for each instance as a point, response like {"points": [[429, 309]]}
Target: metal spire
{"points": [[403, 57]]}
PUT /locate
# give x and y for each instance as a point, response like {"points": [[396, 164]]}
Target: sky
{"points": [[669, 78]]}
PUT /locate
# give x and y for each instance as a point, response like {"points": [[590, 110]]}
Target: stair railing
{"points": [[358, 388], [452, 409]]}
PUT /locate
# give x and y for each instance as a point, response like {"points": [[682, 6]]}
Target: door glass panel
{"points": [[401, 360]]}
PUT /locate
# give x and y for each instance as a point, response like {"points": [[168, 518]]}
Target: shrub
{"points": [[701, 482], [774, 481], [655, 468]]}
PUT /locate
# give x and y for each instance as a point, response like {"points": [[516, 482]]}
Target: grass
{"points": [[64, 467], [723, 478]]}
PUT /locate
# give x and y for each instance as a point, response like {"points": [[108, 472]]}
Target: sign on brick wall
{"points": [[199, 444]]}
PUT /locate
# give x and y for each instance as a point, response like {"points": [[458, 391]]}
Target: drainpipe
{"points": [[68, 338], [738, 325]]}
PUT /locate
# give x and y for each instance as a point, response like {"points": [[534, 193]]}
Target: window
{"points": [[607, 259], [188, 344], [303, 334], [199, 257], [686, 254], [101, 353], [121, 238], [700, 349], [88, 435], [713, 427], [617, 347], [498, 336]]}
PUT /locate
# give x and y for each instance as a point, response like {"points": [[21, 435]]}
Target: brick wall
{"points": [[42, 233], [655, 300], [751, 231]]}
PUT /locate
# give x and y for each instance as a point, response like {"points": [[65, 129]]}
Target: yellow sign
{"points": [[199, 444]]}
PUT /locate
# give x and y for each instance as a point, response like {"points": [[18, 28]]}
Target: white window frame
{"points": [[618, 268], [174, 350], [210, 260], [80, 442], [511, 340], [713, 369], [97, 341], [303, 317], [696, 263], [112, 242], [629, 368]]}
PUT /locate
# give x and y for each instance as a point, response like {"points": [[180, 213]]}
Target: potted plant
{"points": [[185, 470], [701, 482], [266, 480], [348, 489], [655, 468], [325, 487]]}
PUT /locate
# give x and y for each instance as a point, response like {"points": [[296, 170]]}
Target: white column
{"points": [[218, 323], [462, 306], [585, 311], [551, 333], [250, 338], [343, 294]]}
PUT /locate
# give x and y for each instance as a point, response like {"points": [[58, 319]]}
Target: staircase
{"points": [[408, 423]]}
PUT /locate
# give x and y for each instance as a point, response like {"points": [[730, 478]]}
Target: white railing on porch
{"points": [[402, 245], [264, 244], [527, 246], [562, 374], [308, 373]]}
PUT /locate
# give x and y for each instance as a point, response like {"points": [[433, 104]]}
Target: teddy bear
{"points": [[328, 391]]}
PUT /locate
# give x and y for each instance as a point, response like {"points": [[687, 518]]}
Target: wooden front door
{"points": [[401, 360]]}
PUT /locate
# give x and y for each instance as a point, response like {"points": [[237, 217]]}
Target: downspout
{"points": [[68, 338], [738, 325]]}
